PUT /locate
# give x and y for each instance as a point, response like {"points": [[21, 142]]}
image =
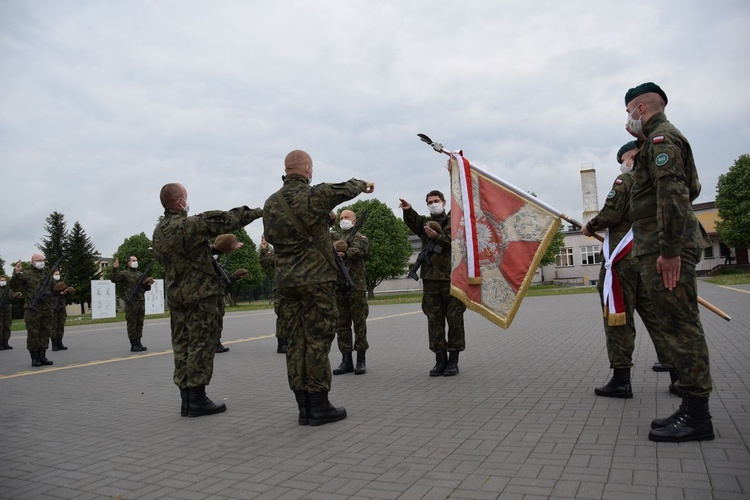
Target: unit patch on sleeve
{"points": [[611, 194], [662, 159], [657, 139]]}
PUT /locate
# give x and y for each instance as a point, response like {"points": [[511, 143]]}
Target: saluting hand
{"points": [[19, 267], [404, 205], [116, 263]]}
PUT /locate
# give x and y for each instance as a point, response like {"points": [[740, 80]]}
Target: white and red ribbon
{"points": [[614, 303], [470, 221]]}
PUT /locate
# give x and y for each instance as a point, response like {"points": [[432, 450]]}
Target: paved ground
{"points": [[520, 421]]}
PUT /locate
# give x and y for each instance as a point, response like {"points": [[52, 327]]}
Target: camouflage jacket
{"points": [[6, 298], [28, 282], [441, 262], [129, 278], [666, 183], [181, 246], [299, 255], [354, 258], [615, 215]]}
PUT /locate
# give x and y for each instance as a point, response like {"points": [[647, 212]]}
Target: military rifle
{"points": [[139, 282], [224, 279], [43, 289], [425, 256]]}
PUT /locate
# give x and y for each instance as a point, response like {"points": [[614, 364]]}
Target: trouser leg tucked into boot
{"points": [[441, 359], [346, 366], [134, 346], [43, 357], [185, 396], [451, 368], [361, 367], [673, 377], [143, 348], [35, 361], [693, 423], [618, 386], [55, 346], [60, 345], [199, 404], [322, 411], [303, 403]]}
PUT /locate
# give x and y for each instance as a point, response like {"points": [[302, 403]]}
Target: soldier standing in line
{"points": [[59, 311], [437, 302], [225, 244], [268, 262], [352, 302], [6, 311], [625, 281], [37, 309], [135, 308], [194, 290], [296, 222], [669, 241]]}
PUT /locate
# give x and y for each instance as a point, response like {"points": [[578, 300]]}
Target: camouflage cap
{"points": [[340, 245], [628, 146], [435, 226], [224, 243], [60, 286], [644, 88]]}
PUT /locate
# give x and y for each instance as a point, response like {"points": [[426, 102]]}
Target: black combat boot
{"points": [[361, 367], [663, 422], [618, 386], [43, 357], [2, 346], [60, 345], [322, 411], [55, 347], [441, 359], [658, 367], [673, 377], [692, 424], [143, 348], [303, 403], [281, 346], [199, 404], [220, 347], [6, 345], [185, 396], [35, 361], [451, 368], [134, 346], [346, 366]]}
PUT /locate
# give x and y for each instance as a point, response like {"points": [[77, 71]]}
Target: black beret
{"points": [[628, 146], [644, 88]]}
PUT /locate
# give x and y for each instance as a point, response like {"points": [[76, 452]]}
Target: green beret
{"points": [[644, 88], [628, 146]]}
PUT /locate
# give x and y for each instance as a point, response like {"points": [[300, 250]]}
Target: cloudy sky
{"points": [[101, 103]]}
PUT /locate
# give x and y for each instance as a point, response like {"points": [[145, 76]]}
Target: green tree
{"points": [[733, 202], [389, 244], [2, 266], [558, 241], [53, 245], [140, 246], [246, 257], [83, 264]]}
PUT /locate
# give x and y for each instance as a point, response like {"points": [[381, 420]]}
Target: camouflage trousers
{"points": [[38, 328], [58, 323], [621, 338], [6, 318], [195, 331], [353, 310], [677, 312], [134, 314], [307, 315], [440, 307]]}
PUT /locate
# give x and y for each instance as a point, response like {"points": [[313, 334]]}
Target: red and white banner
{"points": [[499, 236]]}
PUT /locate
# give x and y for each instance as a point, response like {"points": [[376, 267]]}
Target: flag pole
{"points": [[440, 149]]}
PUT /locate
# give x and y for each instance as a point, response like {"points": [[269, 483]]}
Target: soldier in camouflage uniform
{"points": [[669, 241], [268, 262], [59, 312], [6, 312], [620, 328], [194, 291], [351, 302], [39, 318], [135, 310], [437, 302], [296, 223]]}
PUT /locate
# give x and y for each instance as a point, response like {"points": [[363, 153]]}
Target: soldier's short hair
{"points": [[435, 192]]}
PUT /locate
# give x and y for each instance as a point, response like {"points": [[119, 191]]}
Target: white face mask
{"points": [[56, 277], [346, 224], [3, 283], [636, 126], [39, 264], [436, 208], [134, 264], [627, 166]]}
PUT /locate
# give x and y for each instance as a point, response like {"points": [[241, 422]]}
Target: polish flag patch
{"points": [[657, 139], [618, 181]]}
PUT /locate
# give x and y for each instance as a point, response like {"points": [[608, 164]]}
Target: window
{"points": [[590, 255], [564, 258], [708, 253]]}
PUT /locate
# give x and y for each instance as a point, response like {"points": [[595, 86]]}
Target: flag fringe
{"points": [[617, 319]]}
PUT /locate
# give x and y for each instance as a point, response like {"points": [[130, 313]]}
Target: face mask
{"points": [[39, 264], [346, 224], [56, 277], [436, 208], [134, 264], [3, 283], [186, 209], [626, 167], [636, 126]]}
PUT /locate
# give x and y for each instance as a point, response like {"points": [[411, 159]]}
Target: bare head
{"points": [[37, 257], [299, 162], [348, 215], [173, 195]]}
